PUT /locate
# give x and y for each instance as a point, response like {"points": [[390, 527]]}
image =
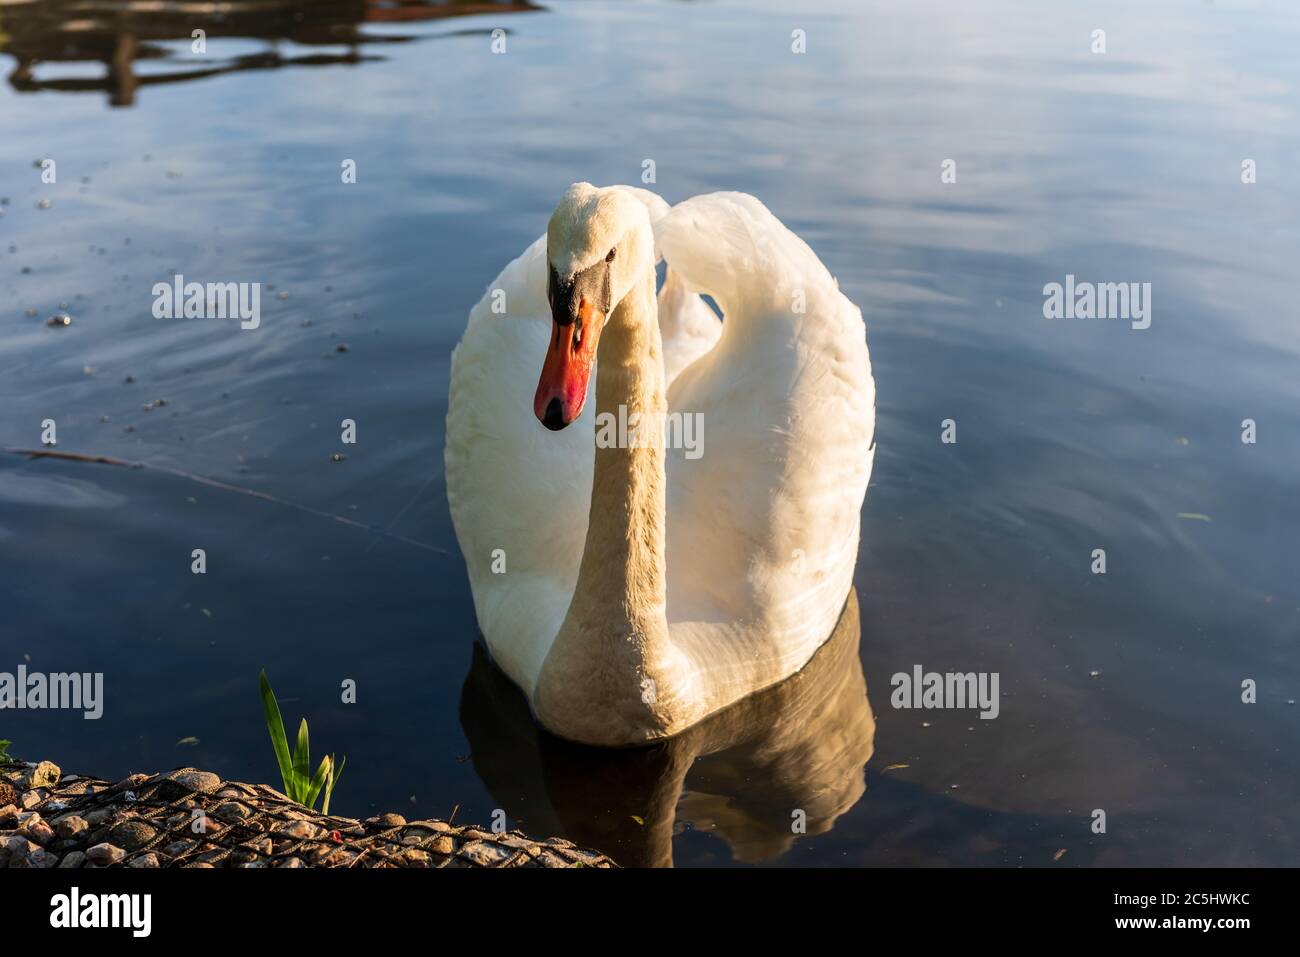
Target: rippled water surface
{"points": [[1120, 692]]}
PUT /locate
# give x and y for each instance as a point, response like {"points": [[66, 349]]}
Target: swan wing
{"points": [[763, 515], [688, 328], [519, 494]]}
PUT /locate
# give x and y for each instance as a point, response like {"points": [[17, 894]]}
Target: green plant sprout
{"points": [[299, 783], [4, 751]]}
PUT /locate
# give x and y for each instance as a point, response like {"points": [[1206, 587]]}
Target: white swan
{"points": [[635, 591]]}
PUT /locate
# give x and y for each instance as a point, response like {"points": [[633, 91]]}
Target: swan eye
{"points": [[610, 257]]}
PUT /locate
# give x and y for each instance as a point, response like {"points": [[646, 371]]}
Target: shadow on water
{"points": [[795, 751], [119, 33]]}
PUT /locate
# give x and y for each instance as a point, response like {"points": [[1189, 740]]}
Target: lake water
{"points": [[1120, 692]]}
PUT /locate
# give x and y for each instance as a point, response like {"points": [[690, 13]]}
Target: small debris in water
{"points": [[338, 457], [282, 295], [103, 418], [1059, 854], [896, 767], [88, 370], [32, 313], [44, 204], [1094, 674], [129, 428], [925, 724], [129, 380], [1195, 516], [59, 319], [341, 347], [306, 322], [189, 739], [147, 407]]}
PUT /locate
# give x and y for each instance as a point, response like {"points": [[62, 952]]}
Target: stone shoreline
{"points": [[193, 818]]}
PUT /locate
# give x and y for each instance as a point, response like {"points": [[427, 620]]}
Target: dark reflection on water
{"points": [[120, 34], [1120, 692], [783, 763]]}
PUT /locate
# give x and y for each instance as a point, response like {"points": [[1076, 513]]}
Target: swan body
{"points": [[632, 590]]}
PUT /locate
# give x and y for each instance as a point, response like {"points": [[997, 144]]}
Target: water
{"points": [[1072, 434]]}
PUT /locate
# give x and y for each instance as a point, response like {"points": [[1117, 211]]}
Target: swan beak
{"points": [[576, 322]]}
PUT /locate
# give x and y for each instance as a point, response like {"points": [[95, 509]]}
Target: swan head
{"points": [[598, 245]]}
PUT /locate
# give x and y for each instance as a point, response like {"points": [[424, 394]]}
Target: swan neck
{"points": [[622, 575], [612, 674]]}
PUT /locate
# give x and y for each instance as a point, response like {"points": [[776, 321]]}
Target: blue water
{"points": [[1072, 434]]}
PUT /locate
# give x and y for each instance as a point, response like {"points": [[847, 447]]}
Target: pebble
{"points": [[145, 860], [19, 845], [74, 859], [484, 853], [262, 846], [104, 854], [232, 812], [132, 834], [38, 831], [202, 781], [44, 775], [303, 830], [444, 846], [43, 859], [71, 826]]}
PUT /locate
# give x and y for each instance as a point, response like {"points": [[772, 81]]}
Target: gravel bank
{"points": [[193, 818]]}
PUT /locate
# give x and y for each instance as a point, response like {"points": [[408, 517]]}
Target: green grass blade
{"points": [[302, 753], [331, 781], [317, 782], [275, 727]]}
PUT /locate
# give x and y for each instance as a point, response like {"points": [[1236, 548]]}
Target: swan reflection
{"points": [[741, 775]]}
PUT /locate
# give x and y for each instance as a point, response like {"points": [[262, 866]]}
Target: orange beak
{"points": [[562, 388]]}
